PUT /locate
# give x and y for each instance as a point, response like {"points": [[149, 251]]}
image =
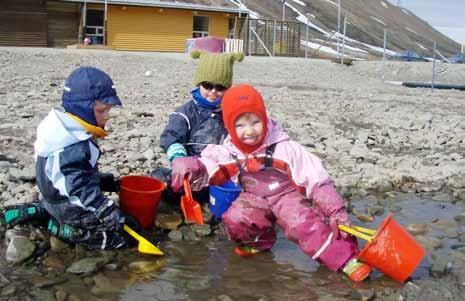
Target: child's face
{"points": [[211, 92], [249, 128], [101, 113]]}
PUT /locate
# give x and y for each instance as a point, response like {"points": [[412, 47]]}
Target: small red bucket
{"points": [[139, 196], [394, 251]]}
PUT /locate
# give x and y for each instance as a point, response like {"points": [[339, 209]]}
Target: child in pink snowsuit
{"points": [[282, 184]]}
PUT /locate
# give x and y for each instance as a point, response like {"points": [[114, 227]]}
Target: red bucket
{"points": [[139, 196], [394, 251]]}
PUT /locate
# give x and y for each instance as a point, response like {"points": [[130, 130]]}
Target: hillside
{"points": [[367, 20]]}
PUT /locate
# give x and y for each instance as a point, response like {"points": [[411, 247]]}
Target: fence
{"points": [[269, 37]]}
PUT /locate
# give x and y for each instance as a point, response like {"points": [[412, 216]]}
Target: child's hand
{"points": [[187, 166], [339, 217], [114, 219]]}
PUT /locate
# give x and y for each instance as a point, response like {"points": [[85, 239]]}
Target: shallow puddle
{"points": [[209, 270]]}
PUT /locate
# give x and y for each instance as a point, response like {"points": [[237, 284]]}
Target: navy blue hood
{"points": [[83, 87]]}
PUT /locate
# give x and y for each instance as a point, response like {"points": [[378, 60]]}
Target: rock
{"points": [[168, 221], [222, 298], [61, 295], [175, 235], [5, 165], [73, 297], [201, 230], [19, 249], [16, 231], [417, 229], [430, 243], [54, 263], [456, 181], [366, 218], [103, 285], [145, 266], [8, 290], [43, 295], [362, 294], [57, 245], [460, 218], [25, 174], [87, 266], [50, 282], [375, 210], [440, 265], [188, 234], [149, 155]]}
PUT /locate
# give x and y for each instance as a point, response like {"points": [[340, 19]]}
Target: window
{"points": [[201, 24], [94, 25]]}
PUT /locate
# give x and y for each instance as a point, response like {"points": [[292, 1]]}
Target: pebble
{"points": [[366, 218], [145, 266], [168, 221], [417, 229], [19, 249]]}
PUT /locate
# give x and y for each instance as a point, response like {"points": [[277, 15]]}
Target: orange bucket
{"points": [[139, 196], [393, 250]]}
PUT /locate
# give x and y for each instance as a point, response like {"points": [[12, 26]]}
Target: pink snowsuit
{"points": [[293, 193]]}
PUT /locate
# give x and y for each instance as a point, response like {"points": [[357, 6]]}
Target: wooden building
{"points": [[146, 25]]}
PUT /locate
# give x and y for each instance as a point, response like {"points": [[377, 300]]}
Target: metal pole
{"points": [[240, 5], [105, 24], [344, 40], [434, 67], [250, 38], [306, 43], [338, 24], [274, 36], [284, 10], [384, 52]]}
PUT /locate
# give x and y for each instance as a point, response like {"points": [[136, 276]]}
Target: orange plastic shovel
{"points": [[190, 208]]}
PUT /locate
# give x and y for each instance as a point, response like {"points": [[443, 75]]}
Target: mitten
{"points": [[190, 167]]}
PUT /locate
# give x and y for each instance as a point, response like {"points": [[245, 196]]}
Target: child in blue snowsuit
{"points": [[66, 154], [199, 122]]}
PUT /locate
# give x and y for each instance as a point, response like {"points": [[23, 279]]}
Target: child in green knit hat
{"points": [[199, 122]]}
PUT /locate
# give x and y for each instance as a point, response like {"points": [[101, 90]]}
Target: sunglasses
{"points": [[209, 86]]}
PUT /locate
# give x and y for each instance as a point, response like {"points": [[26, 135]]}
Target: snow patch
{"points": [[406, 12], [300, 2], [422, 47], [333, 3], [319, 47], [240, 5], [384, 4], [411, 30], [378, 20]]}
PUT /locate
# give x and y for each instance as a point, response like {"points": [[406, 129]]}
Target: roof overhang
{"points": [[164, 4]]}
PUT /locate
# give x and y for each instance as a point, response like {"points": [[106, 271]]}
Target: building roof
{"points": [[205, 5]]}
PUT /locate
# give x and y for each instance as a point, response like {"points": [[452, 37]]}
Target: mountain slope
{"points": [[367, 21]]}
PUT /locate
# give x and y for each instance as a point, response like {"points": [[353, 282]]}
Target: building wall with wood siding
{"points": [[63, 23], [156, 29], [23, 23]]}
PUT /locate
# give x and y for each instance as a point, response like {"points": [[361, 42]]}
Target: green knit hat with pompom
{"points": [[215, 68]]}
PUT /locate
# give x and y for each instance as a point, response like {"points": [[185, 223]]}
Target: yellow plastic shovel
{"points": [[360, 232], [144, 246]]}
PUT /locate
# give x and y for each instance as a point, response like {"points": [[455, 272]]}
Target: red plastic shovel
{"points": [[190, 208]]}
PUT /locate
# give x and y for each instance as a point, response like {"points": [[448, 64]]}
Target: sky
{"points": [[447, 16]]}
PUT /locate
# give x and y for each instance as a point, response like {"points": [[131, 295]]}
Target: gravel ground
{"points": [[371, 135]]}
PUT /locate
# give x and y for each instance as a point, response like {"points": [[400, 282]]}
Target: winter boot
{"points": [[246, 251], [356, 270], [61, 231], [23, 213]]}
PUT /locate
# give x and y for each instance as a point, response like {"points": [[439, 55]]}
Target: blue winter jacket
{"points": [[194, 127]]}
